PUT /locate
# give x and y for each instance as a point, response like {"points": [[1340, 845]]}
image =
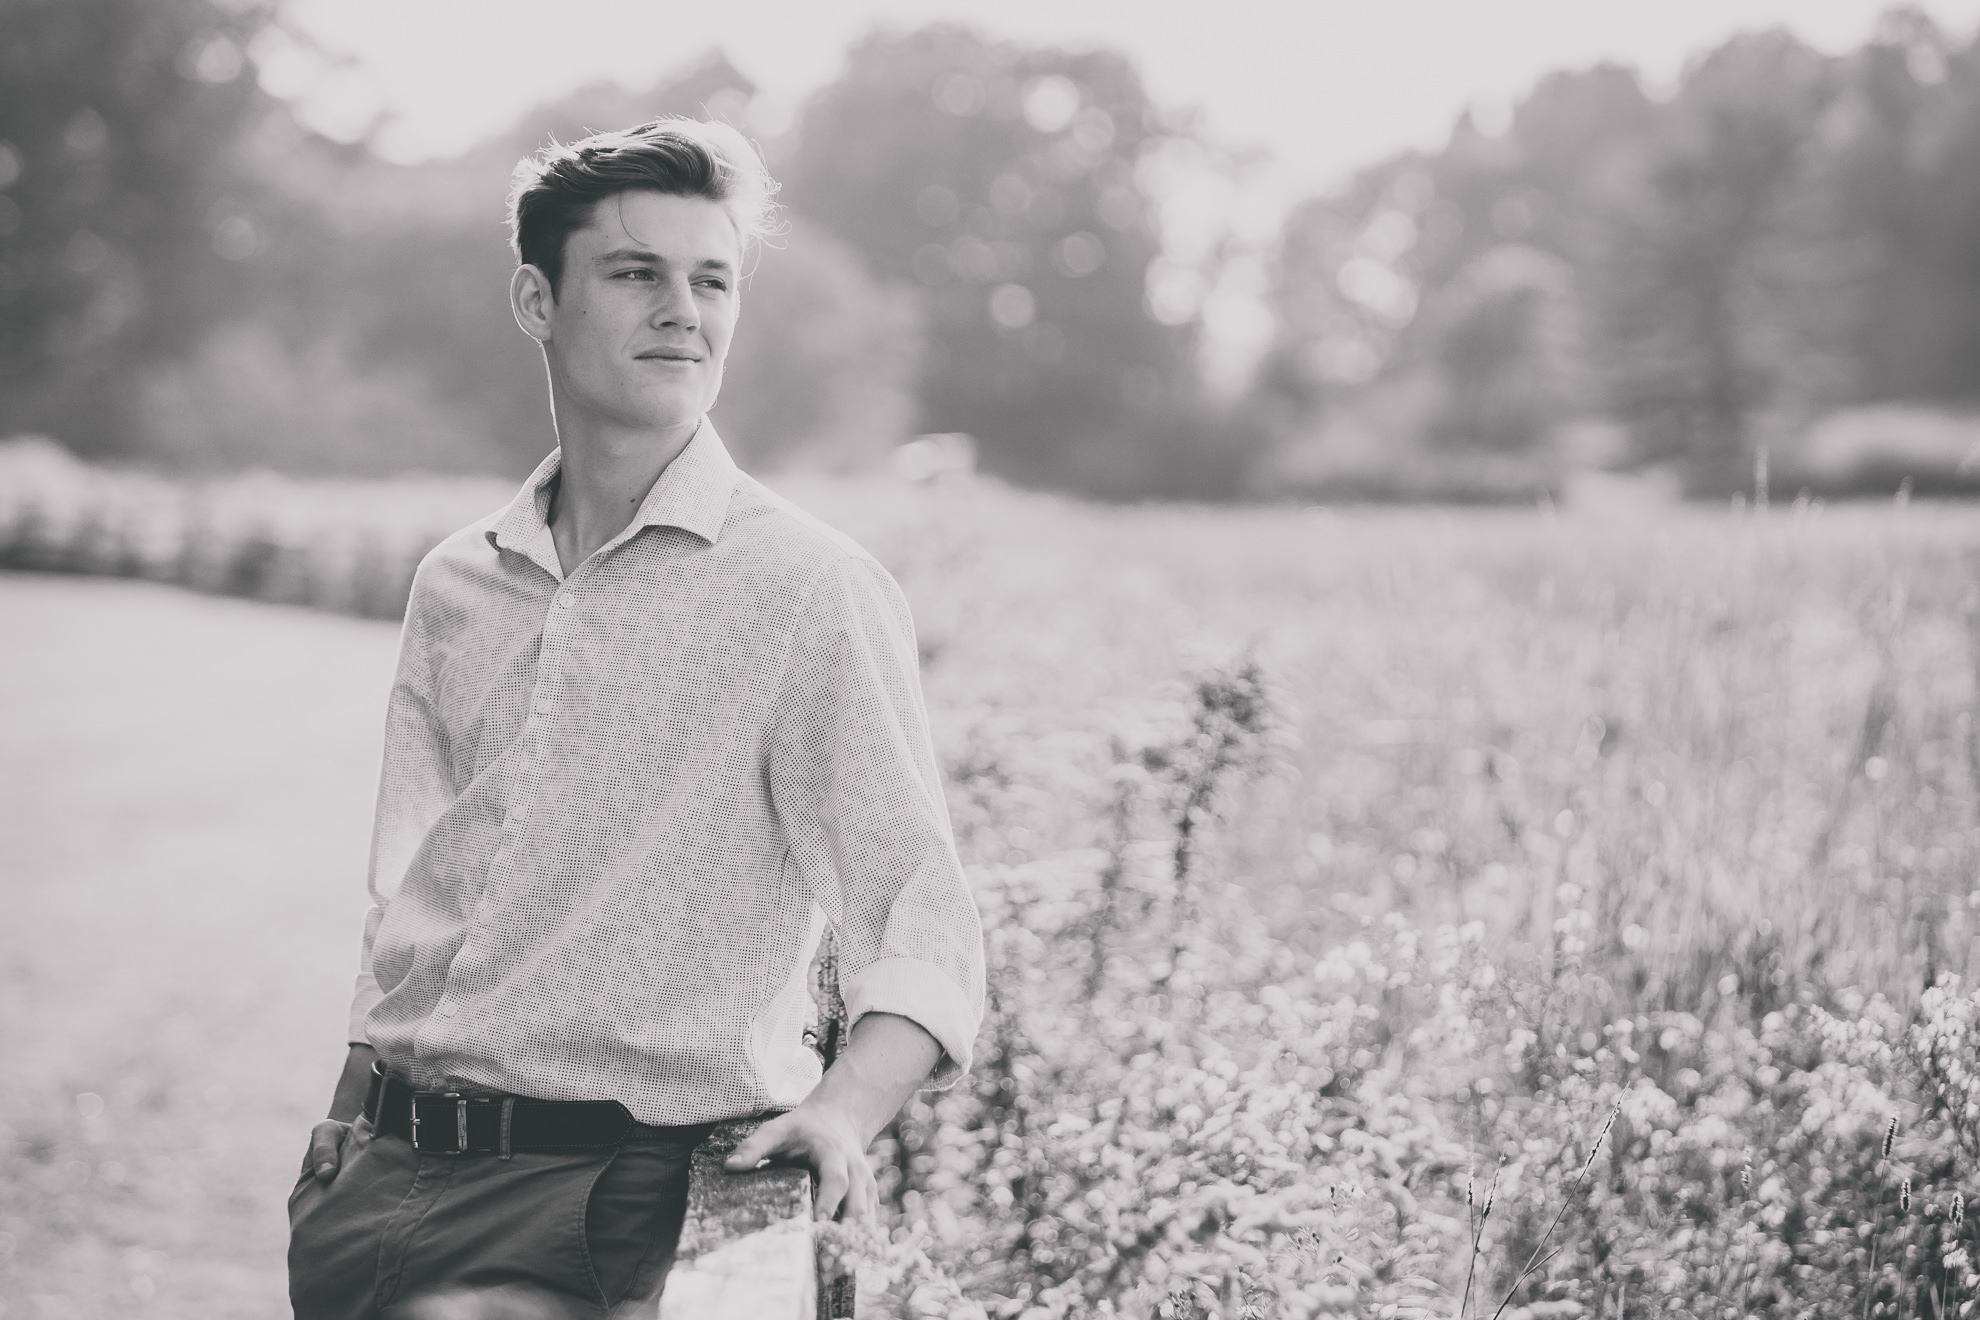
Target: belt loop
{"points": [[374, 1093], [508, 1117]]}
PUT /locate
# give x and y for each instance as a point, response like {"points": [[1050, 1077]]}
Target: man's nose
{"points": [[674, 305]]}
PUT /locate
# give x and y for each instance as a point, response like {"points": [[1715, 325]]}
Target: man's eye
{"points": [[637, 273], [717, 285]]}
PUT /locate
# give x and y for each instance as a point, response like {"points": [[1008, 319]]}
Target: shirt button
{"points": [[563, 602], [542, 705], [445, 1010]]}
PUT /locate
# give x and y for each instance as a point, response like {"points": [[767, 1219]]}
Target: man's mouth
{"points": [[669, 355]]}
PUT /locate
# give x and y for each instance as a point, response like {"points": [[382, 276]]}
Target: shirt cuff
{"points": [[925, 995], [367, 997]]}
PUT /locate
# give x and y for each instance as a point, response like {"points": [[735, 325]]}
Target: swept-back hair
{"points": [[553, 191]]}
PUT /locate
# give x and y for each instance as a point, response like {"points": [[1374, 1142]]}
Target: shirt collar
{"points": [[692, 494]]}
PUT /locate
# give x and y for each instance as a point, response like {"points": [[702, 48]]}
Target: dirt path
{"points": [[185, 795]]}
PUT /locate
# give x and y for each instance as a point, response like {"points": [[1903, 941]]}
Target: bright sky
{"points": [[1323, 85]]}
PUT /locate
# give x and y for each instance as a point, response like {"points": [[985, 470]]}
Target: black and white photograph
{"points": [[989, 660]]}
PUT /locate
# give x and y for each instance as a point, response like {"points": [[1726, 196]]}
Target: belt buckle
{"points": [[460, 1123]]}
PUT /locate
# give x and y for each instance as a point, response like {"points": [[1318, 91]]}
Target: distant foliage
{"points": [[823, 370], [1008, 185], [349, 547], [1508, 353], [1788, 234], [247, 397], [1713, 268], [1018, 242], [124, 210]]}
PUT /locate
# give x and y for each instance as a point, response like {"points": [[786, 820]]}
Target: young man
{"points": [[651, 728]]}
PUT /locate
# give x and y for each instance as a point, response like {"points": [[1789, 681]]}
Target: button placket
{"points": [[542, 704]]}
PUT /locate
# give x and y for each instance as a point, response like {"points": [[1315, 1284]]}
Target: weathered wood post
{"points": [[749, 1250]]}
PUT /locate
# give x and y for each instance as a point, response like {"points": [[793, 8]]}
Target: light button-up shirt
{"points": [[616, 810]]}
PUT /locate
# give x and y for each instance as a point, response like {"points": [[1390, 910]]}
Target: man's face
{"points": [[645, 309]]}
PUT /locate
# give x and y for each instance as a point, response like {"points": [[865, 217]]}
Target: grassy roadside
{"points": [[1709, 760]]}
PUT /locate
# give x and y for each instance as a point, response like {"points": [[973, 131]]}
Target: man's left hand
{"points": [[825, 1140], [886, 1057]]}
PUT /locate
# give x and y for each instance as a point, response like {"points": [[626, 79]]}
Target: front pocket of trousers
{"points": [[295, 1193], [307, 1177], [632, 1218], [305, 1185], [356, 1141]]}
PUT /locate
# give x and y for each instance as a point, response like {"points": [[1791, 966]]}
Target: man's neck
{"points": [[605, 477]]}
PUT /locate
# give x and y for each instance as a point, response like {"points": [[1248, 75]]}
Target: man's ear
{"points": [[533, 301]]}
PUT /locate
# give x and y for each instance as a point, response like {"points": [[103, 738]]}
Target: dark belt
{"points": [[452, 1123]]}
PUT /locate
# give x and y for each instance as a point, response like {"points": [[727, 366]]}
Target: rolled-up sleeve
{"points": [[853, 780]]}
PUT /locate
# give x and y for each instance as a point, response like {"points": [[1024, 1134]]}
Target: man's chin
{"points": [[672, 408], [659, 415]]}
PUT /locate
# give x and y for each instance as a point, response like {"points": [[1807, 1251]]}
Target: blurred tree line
{"points": [[1696, 282], [188, 276]]}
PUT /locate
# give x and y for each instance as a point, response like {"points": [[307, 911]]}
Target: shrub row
{"points": [[346, 546]]}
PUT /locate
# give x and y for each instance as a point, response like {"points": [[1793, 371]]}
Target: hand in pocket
{"points": [[326, 1149]]}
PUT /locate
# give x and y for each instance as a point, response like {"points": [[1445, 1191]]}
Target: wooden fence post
{"points": [[748, 1249]]}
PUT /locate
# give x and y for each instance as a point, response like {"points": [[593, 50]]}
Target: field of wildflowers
{"points": [[1392, 913]]}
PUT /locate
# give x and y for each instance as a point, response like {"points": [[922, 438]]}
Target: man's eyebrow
{"points": [[655, 259]]}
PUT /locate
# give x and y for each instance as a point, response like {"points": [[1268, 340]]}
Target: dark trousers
{"points": [[400, 1235]]}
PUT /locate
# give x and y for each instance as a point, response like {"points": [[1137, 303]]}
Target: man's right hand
{"points": [[326, 1139], [326, 1148]]}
